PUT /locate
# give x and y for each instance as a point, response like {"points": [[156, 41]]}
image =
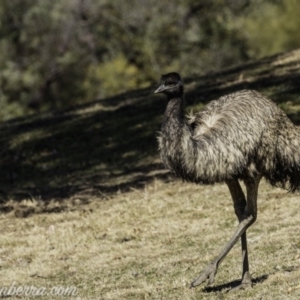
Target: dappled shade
{"points": [[98, 148]]}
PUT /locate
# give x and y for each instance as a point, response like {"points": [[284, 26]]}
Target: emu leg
{"points": [[247, 219], [239, 202], [246, 277]]}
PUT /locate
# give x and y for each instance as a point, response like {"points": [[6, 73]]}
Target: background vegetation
{"points": [[59, 53]]}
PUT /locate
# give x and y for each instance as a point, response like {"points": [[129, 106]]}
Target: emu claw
{"points": [[208, 274], [246, 283]]}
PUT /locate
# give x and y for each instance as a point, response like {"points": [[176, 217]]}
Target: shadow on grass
{"points": [[66, 153], [231, 285], [109, 145]]}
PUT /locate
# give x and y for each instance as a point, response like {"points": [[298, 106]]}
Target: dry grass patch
{"points": [[150, 244]]}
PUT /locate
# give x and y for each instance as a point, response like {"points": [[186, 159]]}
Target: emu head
{"points": [[170, 85]]}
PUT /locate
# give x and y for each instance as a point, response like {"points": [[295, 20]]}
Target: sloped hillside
{"points": [[125, 228], [110, 145]]}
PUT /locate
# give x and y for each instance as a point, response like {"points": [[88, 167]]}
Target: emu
{"points": [[242, 136]]}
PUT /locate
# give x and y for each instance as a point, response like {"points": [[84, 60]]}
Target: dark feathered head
{"points": [[170, 84]]}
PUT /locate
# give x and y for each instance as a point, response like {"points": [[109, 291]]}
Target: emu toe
{"points": [[208, 274], [246, 283]]}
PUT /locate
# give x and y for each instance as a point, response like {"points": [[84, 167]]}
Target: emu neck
{"points": [[174, 115]]}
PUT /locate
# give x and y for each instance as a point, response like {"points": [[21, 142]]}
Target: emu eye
{"points": [[171, 83]]}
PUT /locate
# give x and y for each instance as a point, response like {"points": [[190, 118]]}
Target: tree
{"points": [[58, 53]]}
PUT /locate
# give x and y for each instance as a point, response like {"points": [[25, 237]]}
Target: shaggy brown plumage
{"points": [[244, 136]]}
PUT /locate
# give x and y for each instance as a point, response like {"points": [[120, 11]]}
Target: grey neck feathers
{"points": [[174, 115]]}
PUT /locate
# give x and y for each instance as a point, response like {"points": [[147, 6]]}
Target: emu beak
{"points": [[160, 89]]}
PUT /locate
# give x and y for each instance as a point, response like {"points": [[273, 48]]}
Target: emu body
{"points": [[241, 136]]}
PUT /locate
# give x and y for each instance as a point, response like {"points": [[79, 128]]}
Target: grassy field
{"points": [[151, 243], [86, 203]]}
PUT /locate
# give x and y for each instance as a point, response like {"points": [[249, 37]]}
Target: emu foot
{"points": [[208, 274], [246, 283]]}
